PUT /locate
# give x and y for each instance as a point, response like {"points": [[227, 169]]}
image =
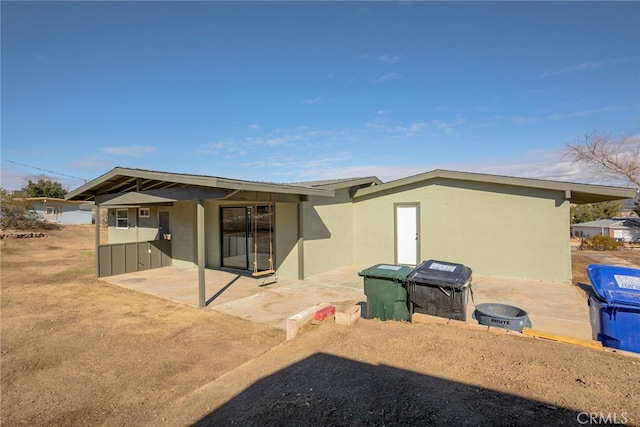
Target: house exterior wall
{"points": [[578, 231], [140, 229], [328, 232], [213, 255], [626, 234], [285, 244], [182, 221], [494, 229], [184, 241], [68, 213], [120, 234]]}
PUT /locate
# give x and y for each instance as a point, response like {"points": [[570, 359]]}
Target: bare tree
{"points": [[613, 157]]}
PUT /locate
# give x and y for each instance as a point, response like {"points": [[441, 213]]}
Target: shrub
{"points": [[601, 243], [16, 214]]}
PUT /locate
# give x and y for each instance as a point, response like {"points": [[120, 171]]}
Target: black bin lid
{"points": [[440, 273]]}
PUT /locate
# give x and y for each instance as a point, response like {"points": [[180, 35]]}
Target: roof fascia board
{"points": [[613, 193], [94, 182], [373, 181], [265, 187], [121, 199], [200, 181], [52, 199]]}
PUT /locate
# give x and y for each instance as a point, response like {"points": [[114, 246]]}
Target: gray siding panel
{"points": [[122, 258]]}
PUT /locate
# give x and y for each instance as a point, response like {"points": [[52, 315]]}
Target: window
{"points": [[122, 218], [144, 213], [53, 210]]}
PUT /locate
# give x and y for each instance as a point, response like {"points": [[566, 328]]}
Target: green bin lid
{"points": [[387, 271]]}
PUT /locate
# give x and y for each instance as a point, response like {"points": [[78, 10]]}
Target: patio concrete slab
{"points": [[558, 308], [274, 306]]}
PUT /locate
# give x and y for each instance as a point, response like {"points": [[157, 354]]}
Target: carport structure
{"points": [[159, 218]]}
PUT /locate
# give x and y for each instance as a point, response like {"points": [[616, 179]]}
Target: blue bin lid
{"points": [[616, 285]]}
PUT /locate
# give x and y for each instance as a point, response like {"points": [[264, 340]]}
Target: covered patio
{"points": [[558, 308]]}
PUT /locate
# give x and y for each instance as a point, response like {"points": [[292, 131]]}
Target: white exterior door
{"points": [[407, 234]]}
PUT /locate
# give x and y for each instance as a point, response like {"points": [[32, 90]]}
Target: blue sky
{"points": [[292, 91]]}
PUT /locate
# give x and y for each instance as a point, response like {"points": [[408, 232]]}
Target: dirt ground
{"points": [[79, 351]]}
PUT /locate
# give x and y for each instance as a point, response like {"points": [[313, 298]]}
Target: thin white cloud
{"points": [[399, 131], [92, 163], [533, 164], [587, 66], [227, 148], [286, 139], [536, 118], [301, 134], [12, 179], [129, 151], [385, 77], [214, 148], [254, 126], [389, 59], [584, 113], [312, 100]]}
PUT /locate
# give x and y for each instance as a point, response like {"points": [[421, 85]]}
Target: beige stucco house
{"points": [[497, 225]]}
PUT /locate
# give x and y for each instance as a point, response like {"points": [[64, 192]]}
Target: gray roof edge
{"points": [[53, 199], [269, 187], [596, 223], [621, 192], [337, 184], [200, 180], [616, 223], [87, 185]]}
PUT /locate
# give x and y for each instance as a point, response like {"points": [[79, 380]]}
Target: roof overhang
{"points": [[137, 186], [52, 200], [573, 192]]}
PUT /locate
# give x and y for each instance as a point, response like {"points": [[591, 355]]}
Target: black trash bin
{"points": [[439, 288]]}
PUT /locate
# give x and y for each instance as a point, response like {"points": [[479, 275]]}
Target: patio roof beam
{"points": [[252, 197], [162, 196]]}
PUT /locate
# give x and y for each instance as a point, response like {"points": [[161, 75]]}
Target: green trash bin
{"points": [[385, 288]]}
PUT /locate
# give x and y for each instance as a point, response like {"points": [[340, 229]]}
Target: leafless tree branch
{"points": [[613, 157]]}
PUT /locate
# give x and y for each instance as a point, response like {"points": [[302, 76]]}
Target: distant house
{"points": [[61, 211], [622, 229]]}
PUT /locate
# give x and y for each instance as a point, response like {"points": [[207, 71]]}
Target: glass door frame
{"points": [[247, 249]]}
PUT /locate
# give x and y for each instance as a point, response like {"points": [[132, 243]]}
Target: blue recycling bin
{"points": [[614, 309]]}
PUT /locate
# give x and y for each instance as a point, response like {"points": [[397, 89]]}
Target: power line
{"points": [[45, 170]]}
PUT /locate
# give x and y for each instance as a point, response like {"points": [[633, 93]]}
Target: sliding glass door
{"points": [[235, 233], [247, 233]]}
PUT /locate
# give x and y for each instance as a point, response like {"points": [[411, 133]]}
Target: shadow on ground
{"points": [[324, 390]]}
